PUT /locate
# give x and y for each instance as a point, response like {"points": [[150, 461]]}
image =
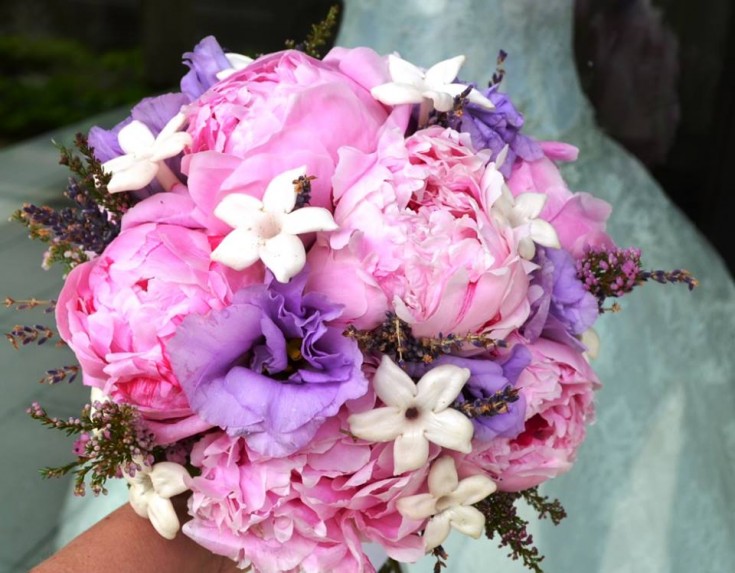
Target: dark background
{"points": [[661, 74]]}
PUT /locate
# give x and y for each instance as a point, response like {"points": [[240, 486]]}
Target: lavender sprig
{"points": [[453, 117], [31, 303], [56, 375], [441, 557], [111, 439], [394, 338], [681, 276], [23, 335], [494, 405], [77, 233], [499, 74]]}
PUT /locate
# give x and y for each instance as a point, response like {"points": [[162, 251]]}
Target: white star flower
{"points": [[150, 493], [415, 414], [144, 155], [237, 62], [267, 230], [448, 503], [521, 213], [433, 87]]}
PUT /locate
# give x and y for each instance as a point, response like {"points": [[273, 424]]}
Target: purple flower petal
{"points": [[563, 308], [204, 62], [495, 128]]}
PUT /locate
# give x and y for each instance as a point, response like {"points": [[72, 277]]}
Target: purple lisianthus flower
{"points": [[268, 367], [561, 307], [495, 128], [204, 62]]}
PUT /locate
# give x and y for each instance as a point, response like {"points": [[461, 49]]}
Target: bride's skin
{"points": [[123, 542]]}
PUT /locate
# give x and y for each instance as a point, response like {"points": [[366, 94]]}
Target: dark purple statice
{"points": [[495, 128], [268, 367], [562, 308]]}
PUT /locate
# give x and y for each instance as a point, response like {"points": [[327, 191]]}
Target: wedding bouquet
{"points": [[332, 302]]}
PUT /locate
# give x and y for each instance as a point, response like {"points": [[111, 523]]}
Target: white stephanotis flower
{"points": [[448, 503], [268, 230], [150, 493], [591, 340], [144, 155], [522, 214], [237, 62], [415, 414], [434, 86]]}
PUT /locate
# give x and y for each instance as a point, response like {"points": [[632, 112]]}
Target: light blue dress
{"points": [[654, 488]]}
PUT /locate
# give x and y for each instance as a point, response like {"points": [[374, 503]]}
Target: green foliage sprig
{"points": [[319, 35]]}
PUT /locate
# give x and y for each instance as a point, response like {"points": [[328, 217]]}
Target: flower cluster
{"points": [[351, 320]]}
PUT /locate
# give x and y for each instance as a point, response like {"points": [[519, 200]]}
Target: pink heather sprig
{"points": [[112, 439], [609, 272], [503, 522], [614, 272]]}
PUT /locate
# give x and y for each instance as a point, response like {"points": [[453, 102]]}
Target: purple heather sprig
{"points": [[111, 439]]}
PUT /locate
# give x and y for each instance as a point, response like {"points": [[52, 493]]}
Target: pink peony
{"points": [[283, 111], [558, 388], [118, 311], [412, 216], [579, 218], [308, 512]]}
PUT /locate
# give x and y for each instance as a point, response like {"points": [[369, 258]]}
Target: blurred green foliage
{"points": [[46, 83]]}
